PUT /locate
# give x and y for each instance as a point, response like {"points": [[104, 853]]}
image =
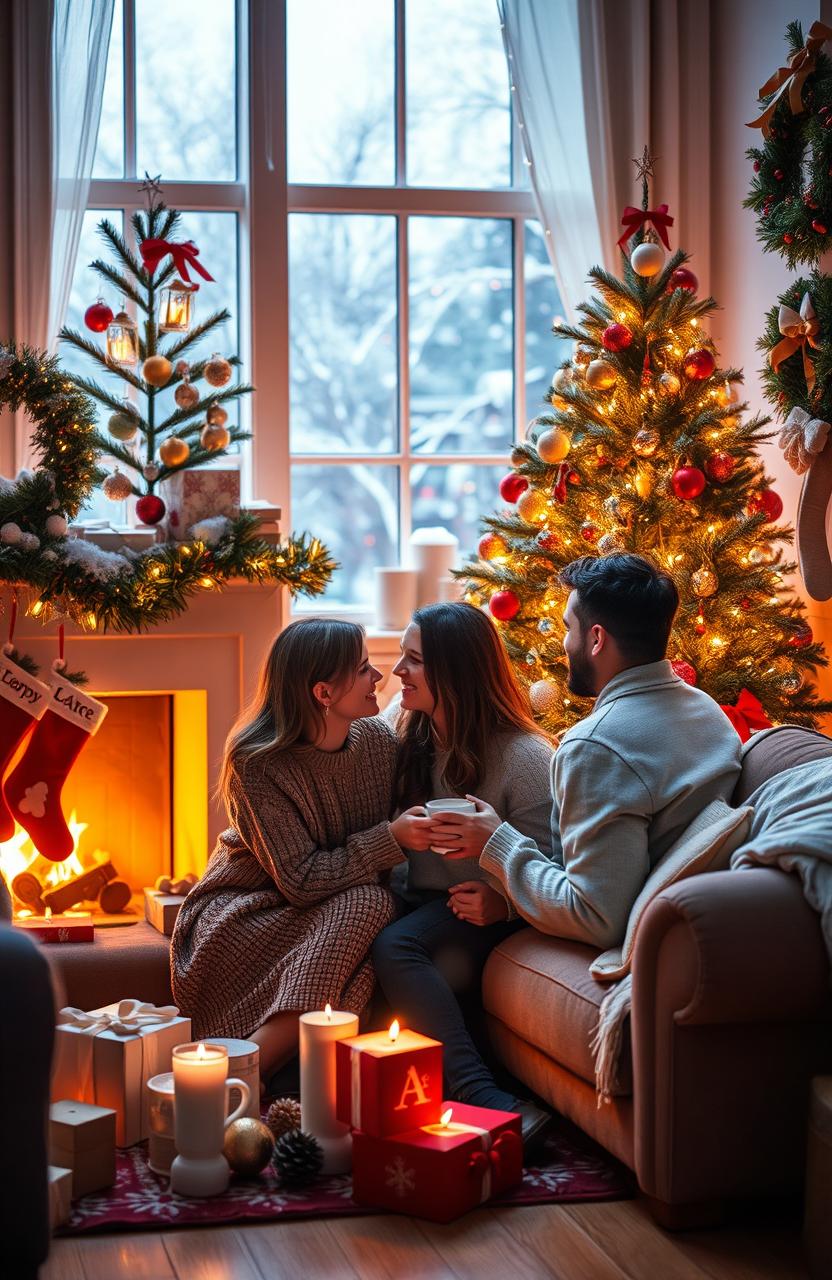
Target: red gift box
{"points": [[386, 1085], [440, 1171]]}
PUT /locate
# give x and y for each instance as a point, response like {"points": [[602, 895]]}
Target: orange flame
{"points": [[328, 1012], [445, 1118], [394, 1029]]}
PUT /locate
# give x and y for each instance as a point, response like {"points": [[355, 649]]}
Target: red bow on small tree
{"points": [[185, 254], [632, 219], [746, 714]]}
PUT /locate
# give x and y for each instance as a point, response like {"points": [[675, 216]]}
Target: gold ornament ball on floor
{"points": [[647, 259], [157, 371], [532, 506], [117, 487], [174, 451], [600, 375], [186, 395], [283, 1116], [216, 415], [544, 697], [122, 425], [218, 371], [553, 446], [704, 582], [214, 437], [248, 1146]]}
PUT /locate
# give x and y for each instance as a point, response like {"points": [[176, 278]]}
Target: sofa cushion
{"points": [[705, 845], [542, 990], [775, 750]]}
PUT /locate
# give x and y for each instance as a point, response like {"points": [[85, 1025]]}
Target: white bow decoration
{"points": [[802, 439], [129, 1018]]}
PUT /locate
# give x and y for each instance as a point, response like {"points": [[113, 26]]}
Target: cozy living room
{"points": [[415, 580]]}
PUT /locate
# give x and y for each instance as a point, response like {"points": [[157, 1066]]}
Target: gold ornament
{"points": [[248, 1146], [563, 378], [186, 395], [554, 445], [727, 394], [609, 543], [157, 371], [544, 697], [214, 437], [600, 375], [763, 554], [582, 355], [669, 384], [704, 582], [791, 683], [646, 442], [492, 547], [174, 451], [123, 424], [217, 371], [619, 508], [216, 415], [284, 1113], [643, 483], [533, 506], [117, 487]]}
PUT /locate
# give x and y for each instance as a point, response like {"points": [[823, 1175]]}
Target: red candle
{"points": [[388, 1081]]}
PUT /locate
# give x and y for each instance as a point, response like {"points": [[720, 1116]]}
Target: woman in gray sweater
{"points": [[465, 729]]}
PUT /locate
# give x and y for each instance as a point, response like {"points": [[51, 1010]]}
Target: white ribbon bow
{"points": [[129, 1018], [802, 439]]}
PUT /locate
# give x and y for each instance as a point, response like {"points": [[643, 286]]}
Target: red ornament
{"points": [[756, 166], [745, 603], [688, 483], [698, 364], [684, 671], [617, 337], [682, 278], [574, 477], [504, 605], [150, 509], [778, 173], [512, 485], [700, 627], [818, 226], [720, 467], [802, 637], [547, 540], [767, 503], [589, 531], [98, 316], [788, 237]]}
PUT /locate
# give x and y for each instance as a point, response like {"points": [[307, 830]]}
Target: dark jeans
{"points": [[425, 964]]}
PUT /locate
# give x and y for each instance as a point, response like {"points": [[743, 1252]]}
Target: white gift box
{"points": [[106, 1056], [161, 909]]}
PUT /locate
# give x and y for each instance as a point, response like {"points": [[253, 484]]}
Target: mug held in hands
{"points": [[453, 805]]}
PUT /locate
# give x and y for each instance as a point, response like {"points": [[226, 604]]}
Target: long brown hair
{"points": [[284, 711], [468, 672]]}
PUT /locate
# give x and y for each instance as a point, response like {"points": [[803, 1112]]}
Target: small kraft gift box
{"points": [[82, 1138], [440, 1171], [106, 1056], [388, 1081]]}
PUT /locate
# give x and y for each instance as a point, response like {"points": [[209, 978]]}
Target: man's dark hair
{"points": [[629, 597]]}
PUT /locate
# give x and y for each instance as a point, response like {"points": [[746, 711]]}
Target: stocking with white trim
{"points": [[23, 700]]}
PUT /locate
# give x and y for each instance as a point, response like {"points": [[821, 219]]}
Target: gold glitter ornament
{"points": [[544, 697], [704, 582], [248, 1146], [157, 371], [533, 506], [186, 395], [174, 451], [218, 371], [643, 483], [609, 543], [214, 437], [117, 486], [600, 375], [216, 415]]}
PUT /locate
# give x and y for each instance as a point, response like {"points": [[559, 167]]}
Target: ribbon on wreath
{"points": [[632, 219], [802, 439], [489, 1159], [184, 255], [746, 714], [798, 330], [789, 80]]}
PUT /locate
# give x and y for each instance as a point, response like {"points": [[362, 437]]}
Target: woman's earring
{"points": [[326, 708]]}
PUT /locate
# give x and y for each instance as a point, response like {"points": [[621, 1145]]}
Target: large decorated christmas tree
{"points": [[646, 446]]}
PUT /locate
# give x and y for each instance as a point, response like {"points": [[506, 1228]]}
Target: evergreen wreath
{"points": [[786, 386], [791, 190]]}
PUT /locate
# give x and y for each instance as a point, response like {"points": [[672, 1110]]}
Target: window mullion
{"points": [[519, 331], [403, 290], [130, 89], [401, 95]]}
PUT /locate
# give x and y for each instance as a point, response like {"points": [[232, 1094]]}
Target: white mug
{"points": [[452, 805]]}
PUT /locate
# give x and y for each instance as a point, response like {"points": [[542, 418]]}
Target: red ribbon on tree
{"points": [[632, 219], [746, 714], [184, 255], [559, 489]]}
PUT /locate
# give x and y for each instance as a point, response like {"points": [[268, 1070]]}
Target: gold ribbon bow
{"points": [[797, 331], [790, 79]]}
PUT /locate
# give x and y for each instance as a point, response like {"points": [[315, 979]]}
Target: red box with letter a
{"points": [[388, 1085]]}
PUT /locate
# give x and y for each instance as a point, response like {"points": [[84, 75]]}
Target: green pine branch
{"points": [[92, 349], [116, 241], [119, 282], [218, 396], [187, 340]]}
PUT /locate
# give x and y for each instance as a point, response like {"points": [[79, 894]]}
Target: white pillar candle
{"points": [[200, 1084], [395, 597], [318, 1033], [434, 553]]}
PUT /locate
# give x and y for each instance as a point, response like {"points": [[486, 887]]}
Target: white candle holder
{"points": [[395, 596], [319, 1032], [201, 1085]]}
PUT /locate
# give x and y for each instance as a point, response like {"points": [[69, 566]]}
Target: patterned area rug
{"points": [[571, 1167]]}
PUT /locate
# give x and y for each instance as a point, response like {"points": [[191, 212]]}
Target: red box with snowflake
{"points": [[440, 1171], [388, 1081]]}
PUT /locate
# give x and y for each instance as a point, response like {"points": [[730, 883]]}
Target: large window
{"points": [[350, 170]]}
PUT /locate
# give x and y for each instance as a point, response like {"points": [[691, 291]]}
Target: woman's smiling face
{"points": [[416, 694]]}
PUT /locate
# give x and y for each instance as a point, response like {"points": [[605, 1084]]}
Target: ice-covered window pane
{"points": [[342, 316], [544, 352], [455, 497], [186, 89], [340, 86], [461, 335], [458, 110], [109, 152], [355, 511]]}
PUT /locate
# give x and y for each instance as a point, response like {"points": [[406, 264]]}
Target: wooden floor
{"points": [[601, 1241]]}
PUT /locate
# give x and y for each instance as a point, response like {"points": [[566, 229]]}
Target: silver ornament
{"points": [[150, 471], [545, 626]]}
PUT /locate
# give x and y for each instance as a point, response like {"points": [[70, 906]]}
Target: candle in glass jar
{"points": [[319, 1032]]}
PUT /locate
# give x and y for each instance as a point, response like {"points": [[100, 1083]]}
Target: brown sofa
{"points": [[730, 1020]]}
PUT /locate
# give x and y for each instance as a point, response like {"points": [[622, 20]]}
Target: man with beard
{"points": [[629, 778]]}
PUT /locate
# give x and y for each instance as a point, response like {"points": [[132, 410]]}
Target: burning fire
{"points": [[19, 854]]}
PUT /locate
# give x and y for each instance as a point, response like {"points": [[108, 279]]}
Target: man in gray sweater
{"points": [[629, 778]]}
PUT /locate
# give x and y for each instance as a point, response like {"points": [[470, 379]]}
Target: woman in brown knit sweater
{"points": [[283, 918]]}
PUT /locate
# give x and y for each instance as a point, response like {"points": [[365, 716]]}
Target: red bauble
{"points": [[98, 316], [698, 364], [617, 337], [682, 278], [819, 227], [688, 483], [767, 503], [802, 638], [720, 467], [745, 603], [150, 509], [504, 605], [684, 671], [547, 540], [512, 485]]}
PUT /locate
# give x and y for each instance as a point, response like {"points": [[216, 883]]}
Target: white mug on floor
{"points": [[453, 805]]}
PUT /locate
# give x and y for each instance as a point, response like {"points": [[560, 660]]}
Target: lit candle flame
{"points": [[48, 913], [445, 1118], [328, 1012], [201, 1051], [394, 1029]]}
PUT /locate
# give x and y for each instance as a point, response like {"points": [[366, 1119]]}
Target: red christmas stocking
{"points": [[33, 790], [23, 700]]}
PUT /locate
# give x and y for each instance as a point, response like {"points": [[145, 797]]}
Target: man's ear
{"points": [[599, 639], [322, 693]]}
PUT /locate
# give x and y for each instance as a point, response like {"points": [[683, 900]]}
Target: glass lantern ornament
{"points": [[176, 306], [123, 340]]}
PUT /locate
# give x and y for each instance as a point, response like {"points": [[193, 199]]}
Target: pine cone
{"points": [[283, 1116], [297, 1158]]}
